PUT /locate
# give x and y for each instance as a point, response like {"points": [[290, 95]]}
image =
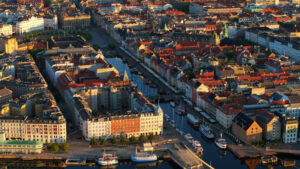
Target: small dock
{"points": [[186, 158], [249, 151]]}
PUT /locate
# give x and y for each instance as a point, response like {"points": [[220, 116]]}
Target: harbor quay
{"points": [[82, 154]]}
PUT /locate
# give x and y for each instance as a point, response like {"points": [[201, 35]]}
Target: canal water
{"points": [[212, 155]]}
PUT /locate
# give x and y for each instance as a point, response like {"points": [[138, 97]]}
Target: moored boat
{"points": [[269, 159], [194, 121], [221, 143], [180, 110], [107, 159], [172, 103], [189, 137], [206, 131], [142, 157]]}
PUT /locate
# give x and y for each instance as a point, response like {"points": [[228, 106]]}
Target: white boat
{"points": [[143, 157], [194, 121], [196, 144], [221, 142], [107, 159], [189, 137], [172, 122], [206, 131], [172, 104], [180, 110]]}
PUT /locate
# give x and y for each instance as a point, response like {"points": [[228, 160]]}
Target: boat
{"points": [[221, 142], [199, 151], [194, 121], [143, 157], [107, 159], [189, 137], [180, 110], [287, 163], [172, 103], [206, 131], [75, 162], [269, 159], [196, 143], [172, 123]]}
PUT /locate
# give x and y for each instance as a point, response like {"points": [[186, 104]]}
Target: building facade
{"points": [[29, 24], [13, 146], [246, 129], [290, 130]]}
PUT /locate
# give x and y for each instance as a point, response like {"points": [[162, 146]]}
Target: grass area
{"points": [[48, 33]]}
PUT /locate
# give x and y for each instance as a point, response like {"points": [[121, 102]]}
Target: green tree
{"points": [[132, 139], [230, 54], [122, 139], [151, 137], [55, 148], [65, 147], [103, 141], [114, 140], [96, 47], [94, 141], [142, 138], [112, 46]]}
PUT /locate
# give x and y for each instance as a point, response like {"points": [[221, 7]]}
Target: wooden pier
{"points": [[186, 158], [249, 151]]}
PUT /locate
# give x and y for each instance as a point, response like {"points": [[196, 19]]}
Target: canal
{"points": [[212, 155]]}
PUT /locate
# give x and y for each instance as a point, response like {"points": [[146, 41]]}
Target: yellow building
{"points": [[11, 45], [270, 124]]}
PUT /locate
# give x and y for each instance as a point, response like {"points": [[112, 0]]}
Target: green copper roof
{"points": [[22, 142]]}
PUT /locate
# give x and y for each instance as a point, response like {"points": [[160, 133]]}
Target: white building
{"points": [[55, 66], [6, 29], [95, 128], [290, 130], [152, 122], [51, 22], [29, 24]]}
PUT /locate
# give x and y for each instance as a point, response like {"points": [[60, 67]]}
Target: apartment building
{"points": [[72, 22], [270, 124], [5, 95], [246, 129], [289, 130]]}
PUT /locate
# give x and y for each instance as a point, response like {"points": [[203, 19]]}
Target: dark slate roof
{"points": [[243, 121]]}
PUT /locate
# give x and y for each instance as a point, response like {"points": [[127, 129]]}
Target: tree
{"points": [[142, 138], [151, 137], [96, 47], [65, 147], [55, 148], [132, 139], [112, 46], [103, 141], [122, 139], [94, 141], [113, 140]]}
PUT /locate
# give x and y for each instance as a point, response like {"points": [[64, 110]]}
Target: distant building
{"points": [[14, 146], [246, 129], [5, 95], [6, 29], [70, 22], [29, 24]]}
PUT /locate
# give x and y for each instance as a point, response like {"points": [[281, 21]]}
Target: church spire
{"points": [[125, 77]]}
